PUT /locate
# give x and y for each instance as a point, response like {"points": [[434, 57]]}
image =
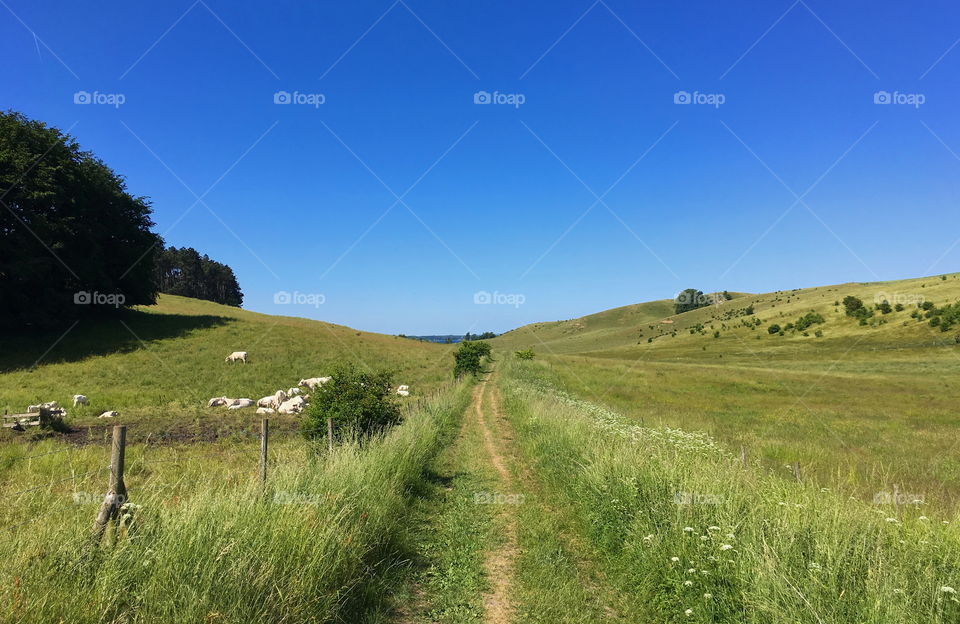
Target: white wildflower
{"points": [[948, 590], [726, 547], [675, 559], [708, 596]]}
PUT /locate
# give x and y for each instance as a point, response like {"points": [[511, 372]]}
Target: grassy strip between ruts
{"points": [[207, 544], [454, 533], [690, 536]]}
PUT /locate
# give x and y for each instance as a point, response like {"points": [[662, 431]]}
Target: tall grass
{"points": [[209, 545], [692, 536]]}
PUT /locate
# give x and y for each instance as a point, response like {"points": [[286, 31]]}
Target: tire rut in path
{"points": [[498, 606]]}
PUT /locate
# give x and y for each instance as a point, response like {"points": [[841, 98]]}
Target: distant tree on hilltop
{"points": [[186, 273]]}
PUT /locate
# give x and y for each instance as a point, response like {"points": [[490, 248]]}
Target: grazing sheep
{"points": [[236, 356], [403, 392], [314, 382], [267, 401], [79, 399], [292, 406], [239, 403], [403, 388], [217, 401], [265, 410], [293, 392], [279, 397], [109, 414]]}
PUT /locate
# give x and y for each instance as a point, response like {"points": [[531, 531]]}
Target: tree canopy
{"points": [[185, 272], [75, 242]]}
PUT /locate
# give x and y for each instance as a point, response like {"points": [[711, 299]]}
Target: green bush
{"points": [[525, 354], [360, 403], [808, 319], [468, 357], [773, 329]]}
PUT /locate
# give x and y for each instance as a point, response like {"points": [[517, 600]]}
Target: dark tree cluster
{"points": [[186, 273], [74, 242]]}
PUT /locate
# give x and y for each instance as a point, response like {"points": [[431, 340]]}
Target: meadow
{"points": [[703, 469], [863, 406]]}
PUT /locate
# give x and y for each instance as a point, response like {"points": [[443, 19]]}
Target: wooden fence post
{"points": [[330, 434], [743, 456], [117, 489], [264, 441], [796, 470]]}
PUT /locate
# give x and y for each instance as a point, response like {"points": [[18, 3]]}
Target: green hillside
{"points": [[168, 359], [652, 330]]}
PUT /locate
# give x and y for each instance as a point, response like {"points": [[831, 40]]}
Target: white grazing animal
{"points": [[217, 401], [403, 392], [267, 401], [265, 410], [293, 392], [79, 399], [279, 397], [236, 356], [292, 406], [403, 387], [238, 403], [109, 414]]}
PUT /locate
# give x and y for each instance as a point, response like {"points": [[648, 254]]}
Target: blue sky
{"points": [[398, 198]]}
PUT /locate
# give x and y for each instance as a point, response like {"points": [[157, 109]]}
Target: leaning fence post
{"points": [[117, 490], [330, 434], [264, 441]]}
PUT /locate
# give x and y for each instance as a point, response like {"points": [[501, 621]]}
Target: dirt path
{"points": [[498, 605]]}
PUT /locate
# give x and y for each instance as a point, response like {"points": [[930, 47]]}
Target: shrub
{"points": [[852, 305], [468, 357], [773, 329], [808, 319], [885, 307], [357, 400], [526, 354]]}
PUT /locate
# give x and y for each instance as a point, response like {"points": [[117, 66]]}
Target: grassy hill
{"points": [[868, 405], [168, 359], [653, 330]]}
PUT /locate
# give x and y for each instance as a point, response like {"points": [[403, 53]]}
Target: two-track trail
{"points": [[499, 565]]}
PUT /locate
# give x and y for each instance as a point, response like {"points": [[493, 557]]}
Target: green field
{"points": [[601, 482], [869, 406]]}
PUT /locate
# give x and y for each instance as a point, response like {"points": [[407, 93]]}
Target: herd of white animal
{"points": [[289, 401]]}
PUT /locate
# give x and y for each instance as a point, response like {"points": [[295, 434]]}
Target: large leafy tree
{"points": [[67, 225]]}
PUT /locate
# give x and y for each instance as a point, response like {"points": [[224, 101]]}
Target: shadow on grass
{"points": [[122, 333]]}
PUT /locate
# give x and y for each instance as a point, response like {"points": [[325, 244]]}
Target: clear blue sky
{"points": [[301, 197]]}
